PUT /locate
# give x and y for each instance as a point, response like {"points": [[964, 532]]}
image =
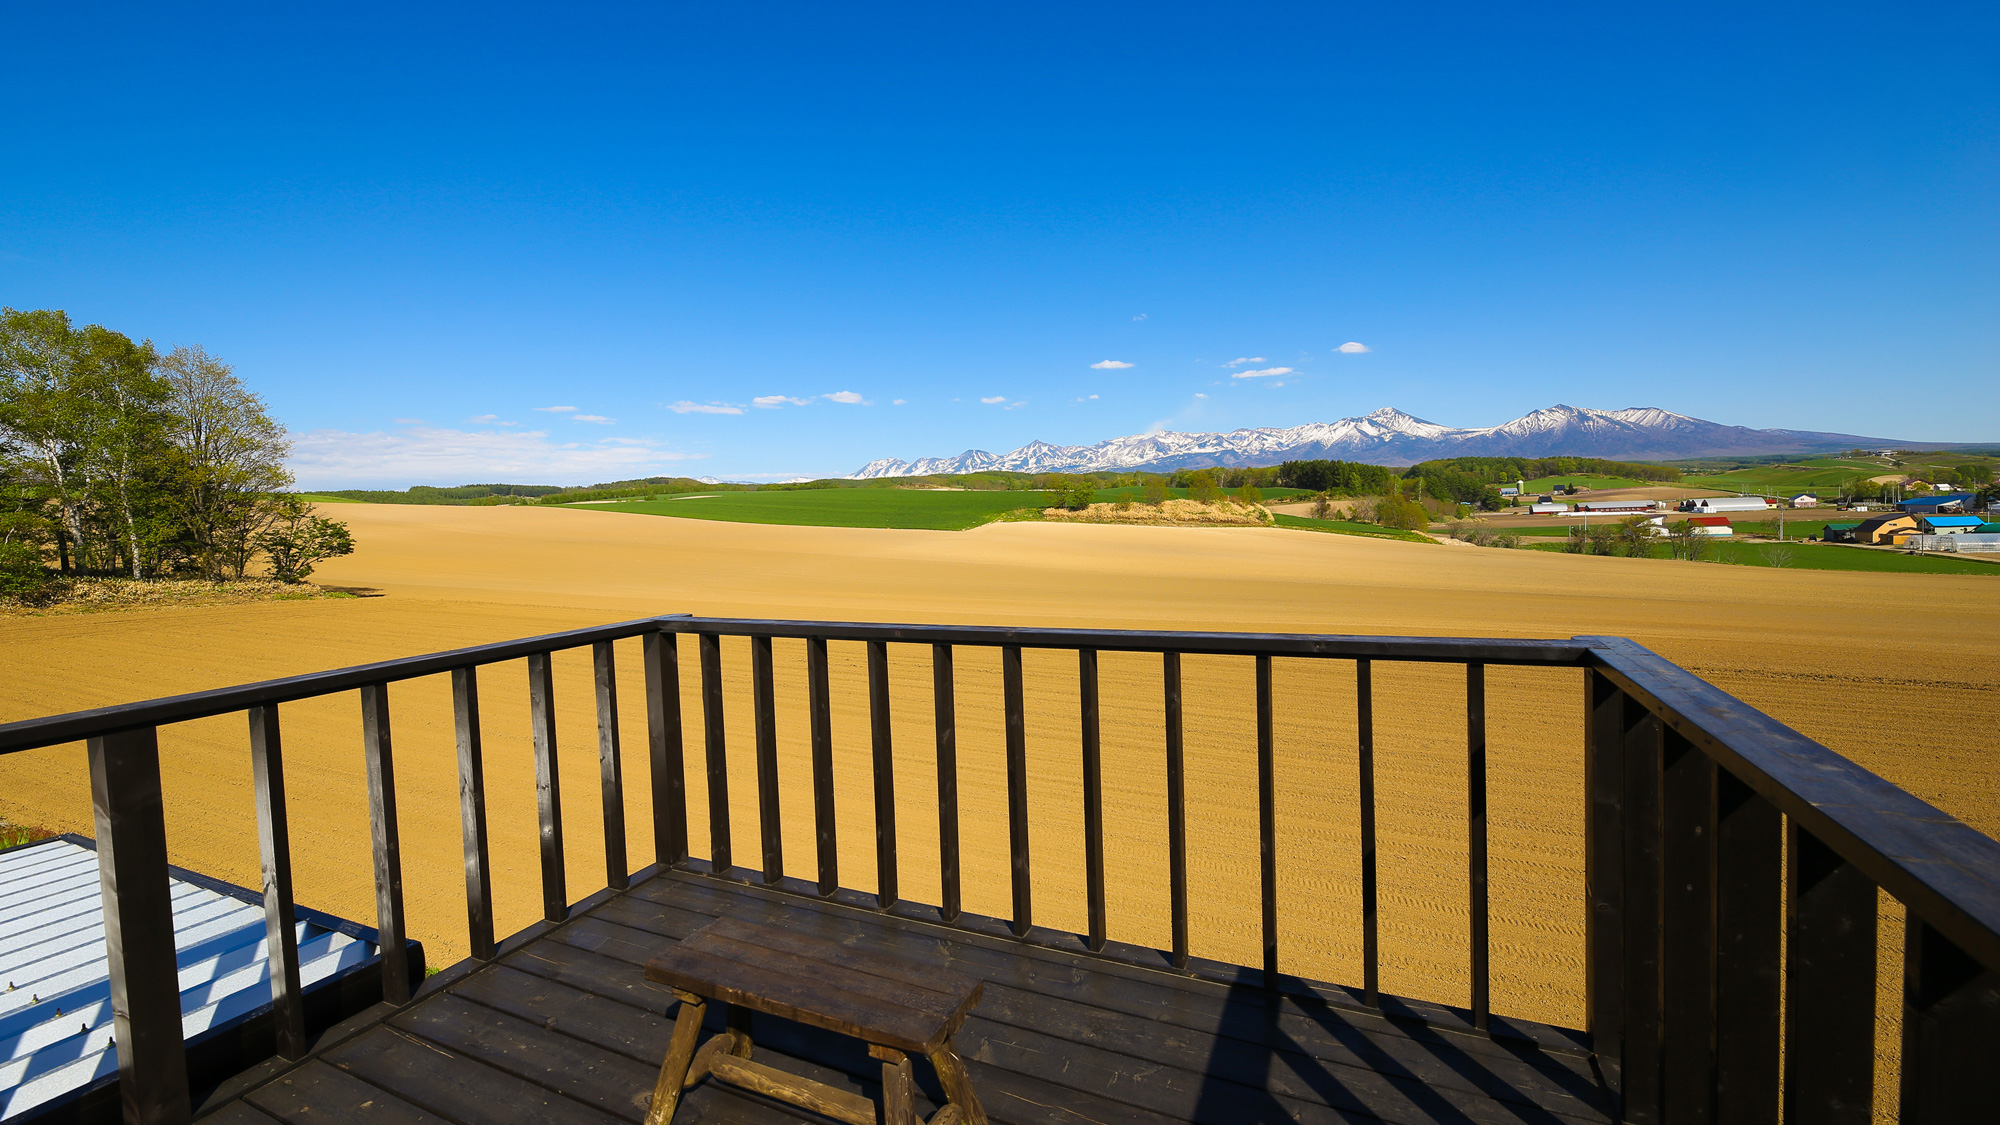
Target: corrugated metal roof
{"points": [[55, 986], [1953, 521]]}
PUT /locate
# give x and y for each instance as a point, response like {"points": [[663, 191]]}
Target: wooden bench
{"points": [[898, 1007]]}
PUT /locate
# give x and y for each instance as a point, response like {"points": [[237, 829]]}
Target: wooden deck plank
{"points": [[454, 1086], [611, 1024], [238, 1113], [1328, 1035], [318, 1092], [610, 1082]]}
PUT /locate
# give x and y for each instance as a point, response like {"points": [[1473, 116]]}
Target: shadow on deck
{"points": [[562, 1027]]}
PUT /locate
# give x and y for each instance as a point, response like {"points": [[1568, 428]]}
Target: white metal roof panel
{"points": [[55, 986]]}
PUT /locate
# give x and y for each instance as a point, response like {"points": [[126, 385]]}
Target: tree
{"points": [[1202, 487], [1156, 494], [297, 540], [229, 459], [1249, 494], [1685, 540], [1077, 495], [1322, 506]]}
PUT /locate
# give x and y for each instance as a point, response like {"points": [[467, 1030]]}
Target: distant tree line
{"points": [[118, 459], [1507, 470]]}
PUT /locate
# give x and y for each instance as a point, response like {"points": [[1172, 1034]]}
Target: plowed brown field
{"points": [[1892, 670]]}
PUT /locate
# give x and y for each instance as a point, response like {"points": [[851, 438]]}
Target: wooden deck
{"points": [[563, 1028]]}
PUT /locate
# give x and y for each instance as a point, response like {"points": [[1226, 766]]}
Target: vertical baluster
{"points": [[1475, 838], [1643, 744], [1093, 796], [1688, 947], [472, 812], [885, 774], [391, 933], [1364, 712], [719, 858], [1176, 811], [138, 914], [548, 785], [764, 703], [1829, 986], [1604, 871], [1749, 926], [1951, 1031], [1267, 820], [945, 707], [663, 736], [274, 841], [1017, 788], [820, 705], [610, 770]]}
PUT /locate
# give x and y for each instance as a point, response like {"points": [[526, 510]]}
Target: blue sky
{"points": [[409, 229]]}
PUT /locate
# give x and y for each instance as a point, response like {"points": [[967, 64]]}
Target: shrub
{"points": [[23, 577], [1249, 494], [1202, 487], [298, 540], [1156, 494], [1322, 506]]}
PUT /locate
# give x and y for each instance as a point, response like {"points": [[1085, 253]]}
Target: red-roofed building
{"points": [[1712, 525]]}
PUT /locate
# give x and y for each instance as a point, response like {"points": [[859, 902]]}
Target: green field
{"points": [[1558, 526], [322, 498], [841, 507], [1823, 473], [1823, 556], [1542, 484], [1348, 527]]}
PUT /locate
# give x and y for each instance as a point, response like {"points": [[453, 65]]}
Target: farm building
{"points": [[1621, 506], [1805, 500], [1548, 509], [57, 1060], [1881, 528], [1949, 525], [1949, 502], [1971, 544], [1711, 504], [1839, 532], [1717, 526]]}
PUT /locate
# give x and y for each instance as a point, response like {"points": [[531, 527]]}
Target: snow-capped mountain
{"points": [[1391, 437]]}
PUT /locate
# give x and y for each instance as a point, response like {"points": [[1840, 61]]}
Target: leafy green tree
{"points": [[1249, 494], [1202, 487], [1156, 494], [229, 461], [297, 540], [1077, 495]]}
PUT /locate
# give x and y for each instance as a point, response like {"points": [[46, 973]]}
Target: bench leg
{"points": [[680, 1054], [957, 1086], [899, 1089]]}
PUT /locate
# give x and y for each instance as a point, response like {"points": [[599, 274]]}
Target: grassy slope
{"points": [[843, 507], [1348, 527], [1822, 556], [1543, 484], [1822, 473]]}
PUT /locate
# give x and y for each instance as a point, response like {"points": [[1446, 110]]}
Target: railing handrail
{"points": [[1942, 868], [31, 734]]}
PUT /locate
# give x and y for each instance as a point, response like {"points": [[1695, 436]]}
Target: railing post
{"points": [[1093, 796], [138, 927], [1267, 820], [1177, 893], [610, 769], [764, 704], [945, 705], [274, 841], [1829, 986], [825, 821], [885, 774], [1364, 721], [1604, 867], [1688, 936], [1017, 788], [720, 861], [392, 937], [661, 651], [1951, 1031], [548, 785], [472, 812], [1475, 842], [1749, 928], [1643, 744]]}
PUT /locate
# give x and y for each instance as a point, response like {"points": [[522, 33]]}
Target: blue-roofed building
{"points": [[1943, 502], [57, 1059], [1949, 525]]}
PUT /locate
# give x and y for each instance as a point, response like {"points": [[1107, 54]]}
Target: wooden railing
{"points": [[1731, 864]]}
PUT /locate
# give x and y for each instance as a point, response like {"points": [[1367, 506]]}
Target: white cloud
{"points": [[848, 397], [428, 455], [1352, 348], [1198, 394], [993, 399], [408, 421], [485, 418], [686, 407], [775, 402], [1110, 365], [597, 419], [1259, 373], [1141, 316], [898, 402], [1014, 406], [1243, 359], [556, 409]]}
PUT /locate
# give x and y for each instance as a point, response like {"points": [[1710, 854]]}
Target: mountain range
{"points": [[1391, 437]]}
